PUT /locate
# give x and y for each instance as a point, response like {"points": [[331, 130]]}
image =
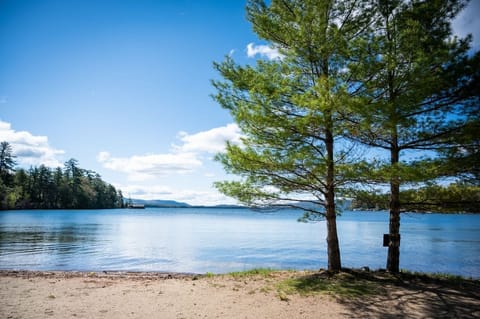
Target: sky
{"points": [[124, 87]]}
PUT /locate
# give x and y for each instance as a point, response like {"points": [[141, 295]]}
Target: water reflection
{"points": [[45, 246], [190, 240]]}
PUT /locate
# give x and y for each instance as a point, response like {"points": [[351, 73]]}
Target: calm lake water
{"points": [[224, 240]]}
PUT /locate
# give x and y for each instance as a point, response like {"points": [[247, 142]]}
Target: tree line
{"points": [[452, 198], [364, 94], [70, 187]]}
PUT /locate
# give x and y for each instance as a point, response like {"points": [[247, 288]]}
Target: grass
{"points": [[434, 276], [349, 283], [342, 284], [264, 272]]}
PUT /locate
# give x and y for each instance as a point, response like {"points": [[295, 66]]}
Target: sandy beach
{"points": [[158, 295]]}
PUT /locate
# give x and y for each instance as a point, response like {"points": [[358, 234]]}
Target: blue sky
{"points": [[124, 87]]}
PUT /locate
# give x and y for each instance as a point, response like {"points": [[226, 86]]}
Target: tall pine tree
{"points": [[417, 83], [289, 109]]}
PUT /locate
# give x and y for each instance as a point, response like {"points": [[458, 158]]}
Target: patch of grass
{"points": [[349, 283], [283, 296], [438, 275], [449, 279], [358, 283], [265, 289], [342, 284], [209, 274], [264, 272]]}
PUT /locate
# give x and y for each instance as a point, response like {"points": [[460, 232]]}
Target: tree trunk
{"points": [[393, 259], [333, 248]]}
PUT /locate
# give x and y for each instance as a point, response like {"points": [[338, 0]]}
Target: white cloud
{"points": [[145, 191], [182, 159], [211, 141], [103, 156], [144, 167], [30, 149], [263, 50], [467, 22]]}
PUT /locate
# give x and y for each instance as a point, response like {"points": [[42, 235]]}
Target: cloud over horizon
{"points": [[182, 159], [191, 197], [29, 149], [145, 167]]}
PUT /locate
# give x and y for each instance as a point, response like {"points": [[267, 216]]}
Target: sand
{"points": [[151, 295]]}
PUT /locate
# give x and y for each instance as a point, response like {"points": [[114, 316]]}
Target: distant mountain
{"points": [[159, 203], [228, 206], [174, 204], [343, 205]]}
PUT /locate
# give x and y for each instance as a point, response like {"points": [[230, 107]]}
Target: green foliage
{"points": [[290, 109], [456, 197], [422, 83], [70, 188], [418, 85], [453, 198], [388, 74], [370, 200], [461, 158], [7, 163]]}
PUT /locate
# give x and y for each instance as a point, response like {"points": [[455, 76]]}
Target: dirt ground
{"points": [[157, 295]]}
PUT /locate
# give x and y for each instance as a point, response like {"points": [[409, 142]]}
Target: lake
{"points": [[199, 240]]}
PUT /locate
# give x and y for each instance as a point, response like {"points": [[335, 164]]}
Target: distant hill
{"points": [[159, 203], [342, 204], [174, 204], [227, 206]]}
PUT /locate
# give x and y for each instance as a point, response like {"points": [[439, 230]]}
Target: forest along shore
{"points": [[251, 294]]}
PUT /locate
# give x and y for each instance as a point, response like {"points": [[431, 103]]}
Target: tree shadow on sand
{"points": [[368, 294]]}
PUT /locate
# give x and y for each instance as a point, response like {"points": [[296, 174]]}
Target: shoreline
{"points": [[220, 207], [254, 294], [108, 274], [127, 274], [140, 274]]}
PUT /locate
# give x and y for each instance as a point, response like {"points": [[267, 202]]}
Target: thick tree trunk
{"points": [[393, 258], [333, 248]]}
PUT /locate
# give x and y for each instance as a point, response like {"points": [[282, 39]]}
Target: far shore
{"points": [[251, 294], [220, 207]]}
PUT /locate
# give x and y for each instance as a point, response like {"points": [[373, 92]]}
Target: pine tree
{"points": [[7, 163], [289, 109], [417, 85]]}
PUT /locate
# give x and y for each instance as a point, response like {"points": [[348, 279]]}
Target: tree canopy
{"points": [[7, 162], [452, 198], [422, 86], [41, 187], [385, 74], [290, 109]]}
